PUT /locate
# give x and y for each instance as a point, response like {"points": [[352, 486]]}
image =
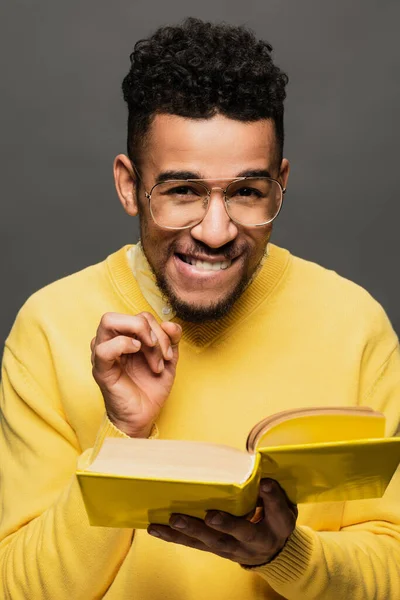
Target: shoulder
{"points": [[52, 305], [330, 297], [328, 286]]}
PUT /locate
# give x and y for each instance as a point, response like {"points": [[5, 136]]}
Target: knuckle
{"points": [[97, 377], [146, 319], [148, 316], [144, 323], [190, 530], [106, 320], [99, 353], [251, 536]]}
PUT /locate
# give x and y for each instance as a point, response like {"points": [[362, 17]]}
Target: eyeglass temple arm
{"points": [[136, 171]]}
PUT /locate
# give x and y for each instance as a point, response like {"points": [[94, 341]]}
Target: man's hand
{"points": [[134, 361], [236, 538]]}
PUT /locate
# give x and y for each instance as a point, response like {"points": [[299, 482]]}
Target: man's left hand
{"points": [[237, 538]]}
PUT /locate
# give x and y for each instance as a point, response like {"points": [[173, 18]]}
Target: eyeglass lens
{"points": [[183, 203]]}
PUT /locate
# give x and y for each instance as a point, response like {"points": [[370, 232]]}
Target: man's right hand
{"points": [[134, 360]]}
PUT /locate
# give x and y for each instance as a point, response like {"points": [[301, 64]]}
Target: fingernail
{"points": [[153, 337], [154, 533], [136, 343], [266, 486], [161, 365], [216, 519], [170, 353], [178, 522]]}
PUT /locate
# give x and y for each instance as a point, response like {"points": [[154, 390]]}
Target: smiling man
{"points": [[197, 332], [205, 236]]}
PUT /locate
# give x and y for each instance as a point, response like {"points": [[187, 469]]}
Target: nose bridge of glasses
{"points": [[216, 189], [216, 213]]}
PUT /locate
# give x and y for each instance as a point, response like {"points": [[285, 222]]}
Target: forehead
{"points": [[215, 147]]}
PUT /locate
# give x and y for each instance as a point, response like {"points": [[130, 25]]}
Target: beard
{"points": [[215, 310], [200, 314]]}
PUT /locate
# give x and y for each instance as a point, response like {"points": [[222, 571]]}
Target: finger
{"points": [[290, 504], [173, 330], [137, 326], [113, 324], [279, 514], [196, 528], [239, 528], [104, 355], [163, 339], [170, 535]]}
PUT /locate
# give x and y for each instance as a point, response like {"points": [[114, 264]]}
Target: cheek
{"points": [[259, 241], [150, 234], [156, 242]]}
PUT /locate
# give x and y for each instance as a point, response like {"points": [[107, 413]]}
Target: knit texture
{"points": [[300, 335]]}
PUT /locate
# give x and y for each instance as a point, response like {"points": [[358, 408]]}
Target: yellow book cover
{"points": [[317, 455]]}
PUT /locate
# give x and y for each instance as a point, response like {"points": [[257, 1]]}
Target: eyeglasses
{"points": [[249, 201]]}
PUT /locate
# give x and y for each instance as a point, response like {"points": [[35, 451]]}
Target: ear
{"points": [[125, 184], [284, 172]]}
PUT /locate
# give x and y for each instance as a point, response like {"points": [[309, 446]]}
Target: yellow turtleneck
{"points": [[299, 336]]}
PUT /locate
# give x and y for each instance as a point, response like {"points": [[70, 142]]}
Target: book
{"points": [[315, 454]]}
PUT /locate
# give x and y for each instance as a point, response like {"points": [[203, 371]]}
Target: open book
{"points": [[320, 454]]}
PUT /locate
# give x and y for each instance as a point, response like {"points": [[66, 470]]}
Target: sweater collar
{"points": [[147, 282]]}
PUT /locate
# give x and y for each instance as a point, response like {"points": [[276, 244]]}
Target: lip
{"points": [[191, 272]]}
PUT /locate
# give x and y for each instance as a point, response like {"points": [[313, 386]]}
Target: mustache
{"points": [[230, 250]]}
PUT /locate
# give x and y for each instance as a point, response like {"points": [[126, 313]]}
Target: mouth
{"points": [[206, 264]]}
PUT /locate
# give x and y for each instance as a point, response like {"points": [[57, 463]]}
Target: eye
{"points": [[248, 192], [183, 191]]}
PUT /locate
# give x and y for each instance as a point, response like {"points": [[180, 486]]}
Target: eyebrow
{"points": [[168, 175]]}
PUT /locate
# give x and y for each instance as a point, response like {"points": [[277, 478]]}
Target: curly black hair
{"points": [[198, 69]]}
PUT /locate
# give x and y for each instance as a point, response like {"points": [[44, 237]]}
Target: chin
{"points": [[196, 306], [198, 312]]}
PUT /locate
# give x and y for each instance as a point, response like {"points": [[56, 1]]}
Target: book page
{"points": [[316, 425], [172, 460]]}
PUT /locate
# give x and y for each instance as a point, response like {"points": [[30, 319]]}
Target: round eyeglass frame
{"points": [[208, 196]]}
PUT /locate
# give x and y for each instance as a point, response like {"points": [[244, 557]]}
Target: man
{"points": [[196, 333]]}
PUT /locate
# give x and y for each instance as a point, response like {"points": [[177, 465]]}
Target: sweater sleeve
{"points": [[48, 549], [361, 561]]}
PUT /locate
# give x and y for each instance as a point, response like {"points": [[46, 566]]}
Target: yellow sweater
{"points": [[300, 335]]}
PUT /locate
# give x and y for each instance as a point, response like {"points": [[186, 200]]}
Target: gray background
{"points": [[63, 120]]}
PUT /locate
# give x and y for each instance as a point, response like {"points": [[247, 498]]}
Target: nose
{"points": [[216, 229]]}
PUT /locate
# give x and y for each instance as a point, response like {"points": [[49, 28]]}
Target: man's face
{"points": [[208, 149]]}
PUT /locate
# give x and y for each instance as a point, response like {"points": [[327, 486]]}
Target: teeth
{"points": [[200, 264], [207, 266]]}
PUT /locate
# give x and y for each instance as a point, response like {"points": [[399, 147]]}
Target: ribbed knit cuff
{"points": [[108, 429], [292, 562]]}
